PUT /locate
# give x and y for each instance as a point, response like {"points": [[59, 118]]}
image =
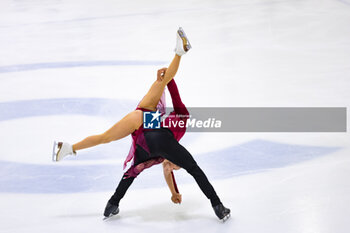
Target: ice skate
{"points": [[110, 210], [61, 150], [222, 212], [182, 43]]}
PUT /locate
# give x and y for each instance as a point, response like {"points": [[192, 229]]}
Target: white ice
{"points": [[246, 53]]}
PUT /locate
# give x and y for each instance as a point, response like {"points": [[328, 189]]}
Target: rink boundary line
{"points": [[19, 109]]}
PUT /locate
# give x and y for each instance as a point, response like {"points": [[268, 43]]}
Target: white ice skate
{"points": [[61, 150], [182, 42]]}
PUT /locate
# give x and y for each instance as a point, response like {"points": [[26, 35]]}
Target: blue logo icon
{"points": [[151, 120]]}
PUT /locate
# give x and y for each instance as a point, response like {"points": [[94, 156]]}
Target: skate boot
{"points": [[222, 212], [61, 150], [110, 210], [182, 43]]}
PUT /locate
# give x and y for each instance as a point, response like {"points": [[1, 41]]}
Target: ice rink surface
{"points": [[69, 69]]}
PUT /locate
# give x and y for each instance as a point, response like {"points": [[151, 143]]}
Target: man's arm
{"points": [[168, 175], [178, 105]]}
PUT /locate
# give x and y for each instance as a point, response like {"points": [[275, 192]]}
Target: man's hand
{"points": [[161, 73], [176, 198]]}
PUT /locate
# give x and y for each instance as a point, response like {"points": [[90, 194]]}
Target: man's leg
{"points": [[120, 191], [178, 155], [112, 207]]}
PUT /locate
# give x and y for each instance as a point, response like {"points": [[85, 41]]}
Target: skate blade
{"points": [[184, 38], [54, 154], [55, 151], [226, 218], [110, 216], [106, 218]]}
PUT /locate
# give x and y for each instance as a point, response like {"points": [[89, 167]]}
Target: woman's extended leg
{"points": [[121, 129], [151, 99], [154, 94]]}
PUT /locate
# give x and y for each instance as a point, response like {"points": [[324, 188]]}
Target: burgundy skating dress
{"points": [[139, 152]]}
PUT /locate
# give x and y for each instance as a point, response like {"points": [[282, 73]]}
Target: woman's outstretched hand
{"points": [[176, 198], [160, 74]]}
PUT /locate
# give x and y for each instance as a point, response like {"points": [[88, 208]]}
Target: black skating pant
{"points": [[161, 142], [141, 156]]}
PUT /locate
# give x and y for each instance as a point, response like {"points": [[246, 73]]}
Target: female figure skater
{"points": [[156, 143]]}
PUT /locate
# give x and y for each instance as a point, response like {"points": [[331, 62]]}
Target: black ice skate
{"points": [[110, 210], [222, 212]]}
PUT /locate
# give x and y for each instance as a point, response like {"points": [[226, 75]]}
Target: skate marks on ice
{"points": [[164, 212], [249, 157], [164, 216]]}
